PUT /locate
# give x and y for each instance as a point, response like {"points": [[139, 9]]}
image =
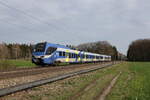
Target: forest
{"points": [[23, 51], [139, 50], [100, 47], [15, 51]]}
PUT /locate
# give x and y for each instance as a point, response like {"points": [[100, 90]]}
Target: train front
{"points": [[43, 54], [38, 53]]}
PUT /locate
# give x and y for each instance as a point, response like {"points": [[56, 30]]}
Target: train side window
{"points": [[69, 55], [90, 56], [64, 54], [83, 56], [76, 56], [97, 57], [72, 55], [60, 53], [87, 56]]}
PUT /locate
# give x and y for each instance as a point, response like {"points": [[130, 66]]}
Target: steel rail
{"points": [[25, 86]]}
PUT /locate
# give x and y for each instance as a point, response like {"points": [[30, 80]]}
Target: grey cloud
{"points": [[75, 21]]}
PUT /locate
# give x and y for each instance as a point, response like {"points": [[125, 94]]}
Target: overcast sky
{"points": [[74, 21]]}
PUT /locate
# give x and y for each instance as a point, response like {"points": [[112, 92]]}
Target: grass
{"points": [[7, 64], [65, 89], [134, 83]]}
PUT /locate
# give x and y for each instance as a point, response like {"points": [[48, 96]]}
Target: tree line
{"points": [[100, 47], [23, 51], [139, 50], [15, 51]]}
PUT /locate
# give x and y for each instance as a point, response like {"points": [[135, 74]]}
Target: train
{"points": [[45, 53]]}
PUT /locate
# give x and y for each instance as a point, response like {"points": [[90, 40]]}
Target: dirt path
{"points": [[107, 90], [88, 87], [84, 89]]}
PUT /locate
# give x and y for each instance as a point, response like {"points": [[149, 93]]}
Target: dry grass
{"points": [[65, 89]]}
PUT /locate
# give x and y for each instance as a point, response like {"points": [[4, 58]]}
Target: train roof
{"points": [[57, 45], [64, 47]]}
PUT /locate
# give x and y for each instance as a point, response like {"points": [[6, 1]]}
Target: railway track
{"points": [[37, 70], [21, 87]]}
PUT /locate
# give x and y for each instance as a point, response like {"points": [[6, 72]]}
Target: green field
{"points": [[134, 83], [81, 87], [8, 64]]}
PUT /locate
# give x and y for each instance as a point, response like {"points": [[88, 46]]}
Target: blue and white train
{"points": [[48, 53]]}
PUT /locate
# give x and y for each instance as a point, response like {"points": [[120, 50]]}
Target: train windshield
{"points": [[50, 50], [40, 47]]}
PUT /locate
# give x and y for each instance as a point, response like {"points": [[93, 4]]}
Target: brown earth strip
{"points": [[86, 88], [51, 73], [39, 70], [107, 90]]}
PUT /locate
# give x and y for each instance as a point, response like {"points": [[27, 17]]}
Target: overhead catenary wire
{"points": [[31, 16], [14, 24], [55, 29], [26, 28]]}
